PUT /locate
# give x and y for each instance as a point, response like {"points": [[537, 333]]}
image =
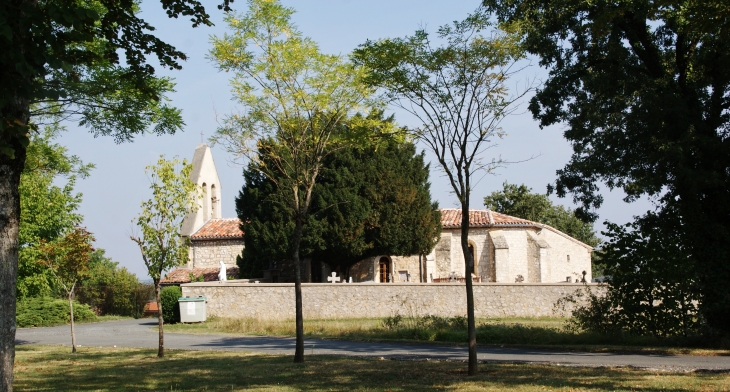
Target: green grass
{"points": [[520, 332], [117, 369]]}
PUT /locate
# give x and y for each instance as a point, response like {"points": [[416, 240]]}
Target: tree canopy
{"points": [[366, 202], [644, 90]]}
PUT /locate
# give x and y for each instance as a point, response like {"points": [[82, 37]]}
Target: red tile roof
{"points": [[451, 219], [219, 229], [182, 275]]}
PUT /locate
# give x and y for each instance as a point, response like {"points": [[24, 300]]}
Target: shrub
{"points": [[46, 312], [170, 309]]}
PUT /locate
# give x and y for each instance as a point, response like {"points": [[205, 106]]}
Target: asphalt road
{"points": [[143, 333]]}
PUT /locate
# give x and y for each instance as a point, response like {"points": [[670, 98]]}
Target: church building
{"points": [[506, 249]]}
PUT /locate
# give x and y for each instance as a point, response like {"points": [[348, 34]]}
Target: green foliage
{"points": [[644, 91], [168, 299], [47, 312], [112, 290], [47, 210], [173, 196], [367, 202], [651, 290]]}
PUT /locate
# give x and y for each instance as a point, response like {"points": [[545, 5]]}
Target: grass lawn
{"points": [[54, 368], [517, 332]]}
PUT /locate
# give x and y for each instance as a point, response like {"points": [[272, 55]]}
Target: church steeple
{"points": [[205, 175]]}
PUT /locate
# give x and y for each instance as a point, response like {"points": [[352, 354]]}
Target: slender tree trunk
{"points": [[299, 350], [10, 169], [161, 344], [71, 310], [469, 266]]}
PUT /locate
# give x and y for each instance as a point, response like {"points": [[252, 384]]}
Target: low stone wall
{"points": [[374, 300]]}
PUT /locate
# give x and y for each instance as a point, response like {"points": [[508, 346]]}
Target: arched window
{"points": [[214, 213], [473, 253], [206, 207]]}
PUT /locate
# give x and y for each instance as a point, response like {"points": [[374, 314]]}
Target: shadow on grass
{"points": [[55, 368]]}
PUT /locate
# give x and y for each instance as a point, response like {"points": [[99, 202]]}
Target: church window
{"points": [[206, 208], [214, 202], [473, 253], [568, 258]]}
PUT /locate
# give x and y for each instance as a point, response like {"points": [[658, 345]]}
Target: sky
{"points": [[112, 194]]}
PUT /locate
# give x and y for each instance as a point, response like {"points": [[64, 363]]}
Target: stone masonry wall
{"points": [[373, 300], [205, 254]]}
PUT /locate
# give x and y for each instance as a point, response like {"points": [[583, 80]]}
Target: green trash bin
{"points": [[192, 309]]}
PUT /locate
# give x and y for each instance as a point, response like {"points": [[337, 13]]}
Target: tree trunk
{"points": [[161, 344], [10, 169], [299, 350], [469, 268], [71, 310]]}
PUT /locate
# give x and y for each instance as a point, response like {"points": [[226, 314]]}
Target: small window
{"points": [[568, 258]]}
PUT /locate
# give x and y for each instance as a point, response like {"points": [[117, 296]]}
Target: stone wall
{"points": [[204, 254], [374, 300]]}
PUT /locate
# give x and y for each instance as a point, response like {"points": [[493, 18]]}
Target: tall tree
{"points": [[64, 56], [457, 90], [367, 202], [47, 209], [295, 98], [173, 196], [644, 89], [68, 261]]}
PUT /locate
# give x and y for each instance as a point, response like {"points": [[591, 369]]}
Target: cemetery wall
{"points": [[372, 300]]}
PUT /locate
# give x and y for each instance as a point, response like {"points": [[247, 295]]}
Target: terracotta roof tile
{"points": [[182, 275], [217, 229], [451, 219]]}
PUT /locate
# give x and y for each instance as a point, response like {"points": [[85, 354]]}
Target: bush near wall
{"points": [[170, 309], [46, 312]]}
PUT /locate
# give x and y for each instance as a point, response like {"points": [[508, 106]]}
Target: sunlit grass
{"points": [[106, 369]]}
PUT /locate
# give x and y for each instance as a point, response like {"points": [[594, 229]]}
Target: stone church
{"points": [[506, 249]]}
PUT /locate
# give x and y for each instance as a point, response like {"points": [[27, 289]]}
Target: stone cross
{"points": [[334, 278]]}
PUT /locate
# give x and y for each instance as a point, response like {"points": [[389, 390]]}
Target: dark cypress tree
{"points": [[368, 202]]}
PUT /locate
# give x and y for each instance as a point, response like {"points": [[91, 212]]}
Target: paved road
{"points": [[143, 333]]}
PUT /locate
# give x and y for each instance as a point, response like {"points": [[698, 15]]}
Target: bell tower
{"points": [[205, 175]]}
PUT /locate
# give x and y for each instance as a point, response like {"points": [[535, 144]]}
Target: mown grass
{"points": [[111, 369], [526, 332]]}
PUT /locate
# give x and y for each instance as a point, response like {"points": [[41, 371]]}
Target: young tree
{"points": [[367, 202], [295, 99], [173, 196], [458, 92], [63, 56], [68, 261], [644, 90]]}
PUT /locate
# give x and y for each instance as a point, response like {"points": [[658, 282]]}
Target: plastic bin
{"points": [[192, 309]]}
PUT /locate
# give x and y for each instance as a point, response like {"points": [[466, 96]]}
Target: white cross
{"points": [[334, 278]]}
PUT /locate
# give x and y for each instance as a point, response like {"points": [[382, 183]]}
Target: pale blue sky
{"points": [[115, 189]]}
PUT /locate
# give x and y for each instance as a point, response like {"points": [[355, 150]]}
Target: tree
{"points": [[367, 202], [458, 92], [64, 57], [68, 261], [519, 201], [295, 99], [47, 210], [650, 286], [111, 289], [173, 196], [644, 90]]}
